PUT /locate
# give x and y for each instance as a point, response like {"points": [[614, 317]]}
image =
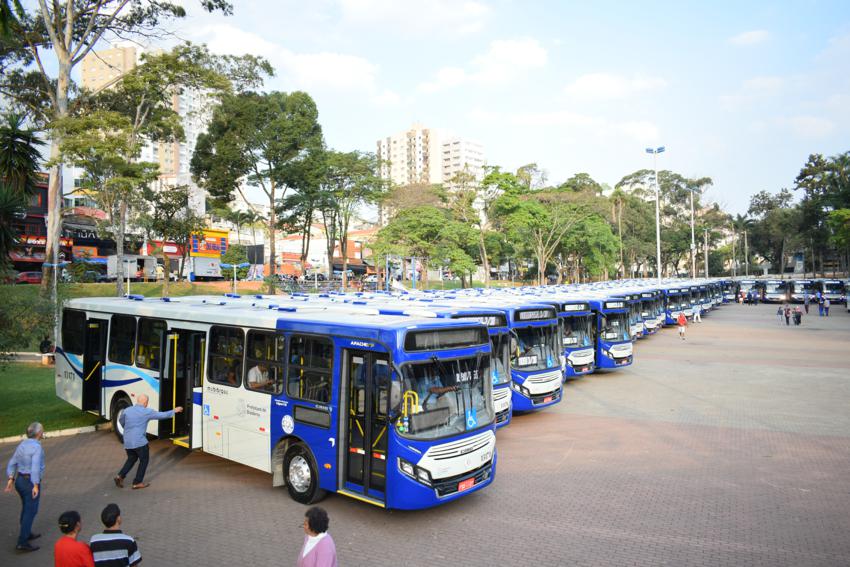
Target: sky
{"points": [[741, 92]]}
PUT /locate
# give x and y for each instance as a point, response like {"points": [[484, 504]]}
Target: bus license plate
{"points": [[465, 484], [547, 399]]}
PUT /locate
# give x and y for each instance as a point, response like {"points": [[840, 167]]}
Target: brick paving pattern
{"points": [[730, 448]]}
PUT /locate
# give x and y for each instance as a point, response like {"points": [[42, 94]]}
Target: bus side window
{"points": [[122, 339], [309, 370], [264, 362], [226, 353], [73, 331], [150, 339]]}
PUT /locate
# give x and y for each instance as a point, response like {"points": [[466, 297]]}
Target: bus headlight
{"points": [[414, 472], [423, 475]]}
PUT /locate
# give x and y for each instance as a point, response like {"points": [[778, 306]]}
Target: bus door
{"points": [[365, 441], [181, 382], [93, 360]]}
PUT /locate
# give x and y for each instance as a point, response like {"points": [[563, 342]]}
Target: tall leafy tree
{"points": [[49, 39], [257, 138]]}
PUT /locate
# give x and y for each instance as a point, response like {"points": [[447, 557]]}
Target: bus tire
{"points": [[118, 407], [302, 475]]}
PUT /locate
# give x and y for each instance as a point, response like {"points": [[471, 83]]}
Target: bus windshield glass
{"points": [[576, 331], [535, 348], [615, 327], [500, 369], [451, 397], [833, 287], [774, 288]]}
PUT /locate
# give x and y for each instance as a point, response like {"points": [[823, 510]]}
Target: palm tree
{"points": [[20, 158], [740, 225]]}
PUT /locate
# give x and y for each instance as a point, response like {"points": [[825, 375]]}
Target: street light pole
{"points": [[693, 241], [655, 152], [706, 253]]}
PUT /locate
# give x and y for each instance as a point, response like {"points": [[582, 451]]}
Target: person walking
{"points": [[318, 549], [682, 322], [787, 315], [820, 304], [68, 551], [112, 547], [698, 314], [826, 304], [779, 313], [135, 422], [25, 471], [806, 303], [798, 316]]}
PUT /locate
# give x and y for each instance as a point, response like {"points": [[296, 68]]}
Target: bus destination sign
{"points": [[614, 305], [574, 307], [534, 315]]}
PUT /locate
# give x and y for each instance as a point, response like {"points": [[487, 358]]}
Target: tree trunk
{"points": [[272, 251], [119, 249], [166, 271], [483, 250], [620, 231], [54, 187]]}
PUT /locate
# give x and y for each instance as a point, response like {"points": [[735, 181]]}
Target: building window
{"points": [[226, 353], [309, 371], [122, 339]]}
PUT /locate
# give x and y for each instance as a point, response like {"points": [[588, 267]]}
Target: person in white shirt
{"points": [[258, 377]]}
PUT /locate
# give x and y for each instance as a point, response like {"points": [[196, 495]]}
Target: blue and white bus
{"points": [[651, 311], [675, 302], [777, 291], [613, 338], [834, 290], [393, 411], [576, 322]]}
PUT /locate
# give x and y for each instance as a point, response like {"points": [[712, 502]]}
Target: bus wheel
{"points": [[302, 475], [118, 407]]}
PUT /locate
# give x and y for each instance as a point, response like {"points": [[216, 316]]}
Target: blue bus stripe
{"points": [[71, 362]]}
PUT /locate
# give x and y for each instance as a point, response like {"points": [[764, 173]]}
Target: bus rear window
{"points": [[445, 339], [73, 331]]}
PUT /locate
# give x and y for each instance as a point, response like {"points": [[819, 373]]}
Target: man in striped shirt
{"points": [[114, 548]]}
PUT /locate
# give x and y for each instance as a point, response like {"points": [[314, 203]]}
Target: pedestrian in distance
{"points": [[787, 315], [318, 549], [820, 305], [698, 314], [806, 303], [25, 472], [112, 547], [69, 551], [826, 305], [756, 298], [682, 322], [798, 316], [780, 311], [135, 422]]}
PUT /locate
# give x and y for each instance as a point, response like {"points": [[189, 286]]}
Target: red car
{"points": [[28, 278]]}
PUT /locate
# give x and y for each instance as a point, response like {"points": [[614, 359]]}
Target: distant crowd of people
{"points": [[112, 547]]}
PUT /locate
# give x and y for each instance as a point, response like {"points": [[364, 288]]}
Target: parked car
{"points": [[371, 278], [28, 278]]}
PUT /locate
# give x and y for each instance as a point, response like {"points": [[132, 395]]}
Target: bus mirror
{"points": [[395, 396]]}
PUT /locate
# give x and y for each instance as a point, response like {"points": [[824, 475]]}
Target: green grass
{"points": [[27, 394]]}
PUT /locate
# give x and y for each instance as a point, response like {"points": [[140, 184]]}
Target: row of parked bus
{"points": [[392, 399], [784, 291]]}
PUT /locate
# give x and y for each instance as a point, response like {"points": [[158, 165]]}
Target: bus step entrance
{"points": [[181, 441], [94, 412]]}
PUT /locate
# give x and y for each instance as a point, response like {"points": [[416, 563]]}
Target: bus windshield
{"points": [[774, 288], [452, 397], [576, 331], [833, 287], [615, 327], [501, 345], [535, 348]]}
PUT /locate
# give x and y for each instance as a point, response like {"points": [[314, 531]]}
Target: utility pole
{"points": [[706, 253], [746, 255], [655, 152], [693, 241]]}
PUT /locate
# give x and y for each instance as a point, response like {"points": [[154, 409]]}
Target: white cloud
{"points": [[322, 70], [503, 61], [753, 90], [752, 37], [810, 126], [460, 17], [595, 86], [764, 84]]}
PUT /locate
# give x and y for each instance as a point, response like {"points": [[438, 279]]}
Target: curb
{"points": [[61, 432]]}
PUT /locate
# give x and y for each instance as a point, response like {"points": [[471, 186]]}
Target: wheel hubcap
{"points": [[299, 473]]}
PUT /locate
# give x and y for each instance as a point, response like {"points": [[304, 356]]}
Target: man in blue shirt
{"points": [[24, 471], [135, 420]]}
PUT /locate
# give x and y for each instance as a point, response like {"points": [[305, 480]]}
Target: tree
{"points": [[775, 226], [468, 201], [257, 138], [234, 255], [590, 246], [19, 164], [349, 179], [169, 219], [48, 40]]}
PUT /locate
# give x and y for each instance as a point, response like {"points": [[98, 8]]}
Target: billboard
{"points": [[209, 244]]}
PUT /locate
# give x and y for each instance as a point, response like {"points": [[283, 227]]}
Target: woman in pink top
{"points": [[318, 549]]}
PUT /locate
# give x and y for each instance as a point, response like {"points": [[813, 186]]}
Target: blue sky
{"points": [[738, 91]]}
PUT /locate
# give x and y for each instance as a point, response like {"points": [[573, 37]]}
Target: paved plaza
{"points": [[729, 448]]}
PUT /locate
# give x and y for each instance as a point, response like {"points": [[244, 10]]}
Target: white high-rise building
{"points": [[423, 155]]}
